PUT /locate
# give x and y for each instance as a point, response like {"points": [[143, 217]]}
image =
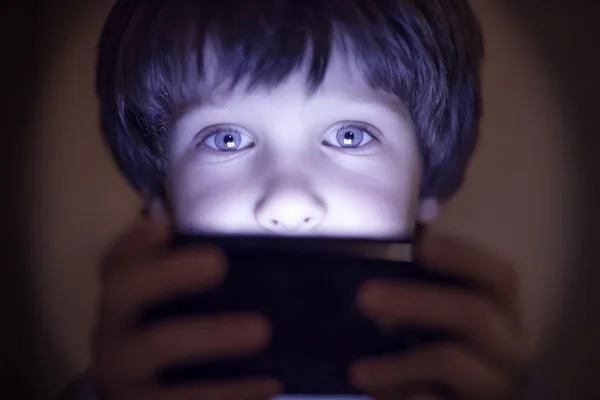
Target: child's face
{"points": [[340, 162]]}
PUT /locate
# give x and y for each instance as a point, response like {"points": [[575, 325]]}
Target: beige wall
{"points": [[516, 199]]}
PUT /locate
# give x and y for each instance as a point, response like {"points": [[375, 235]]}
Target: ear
{"points": [[157, 208], [429, 210]]}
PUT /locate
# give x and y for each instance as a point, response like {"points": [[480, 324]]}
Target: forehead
{"points": [[344, 80]]}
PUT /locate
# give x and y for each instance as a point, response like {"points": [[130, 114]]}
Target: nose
{"points": [[289, 210]]}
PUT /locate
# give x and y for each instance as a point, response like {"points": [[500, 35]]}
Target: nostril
{"points": [[307, 220], [274, 222]]}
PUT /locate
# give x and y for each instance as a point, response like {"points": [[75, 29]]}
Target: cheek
{"points": [[203, 192], [362, 195], [380, 195], [364, 201]]}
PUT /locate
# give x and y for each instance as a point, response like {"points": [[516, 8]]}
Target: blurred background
{"points": [[529, 192]]}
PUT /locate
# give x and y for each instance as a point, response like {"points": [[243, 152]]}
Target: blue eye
{"points": [[349, 137], [227, 140]]}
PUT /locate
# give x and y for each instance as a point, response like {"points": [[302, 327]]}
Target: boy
{"points": [[298, 117]]}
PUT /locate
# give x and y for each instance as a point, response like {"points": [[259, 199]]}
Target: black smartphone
{"points": [[307, 288]]}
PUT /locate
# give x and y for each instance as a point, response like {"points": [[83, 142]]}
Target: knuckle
{"points": [[113, 270], [171, 270], [160, 339], [151, 340], [111, 296], [480, 315], [117, 290], [447, 359]]}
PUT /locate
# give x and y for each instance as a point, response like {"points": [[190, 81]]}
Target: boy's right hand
{"points": [[139, 271]]}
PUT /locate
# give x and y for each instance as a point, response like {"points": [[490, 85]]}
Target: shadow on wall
{"points": [[82, 201], [30, 35], [567, 32]]}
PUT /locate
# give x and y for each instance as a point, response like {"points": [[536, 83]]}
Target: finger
{"points": [[447, 365], [129, 291], [142, 241], [464, 314], [424, 396], [247, 389], [477, 267], [189, 340]]}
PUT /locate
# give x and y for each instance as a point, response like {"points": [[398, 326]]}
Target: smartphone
{"points": [[306, 287]]}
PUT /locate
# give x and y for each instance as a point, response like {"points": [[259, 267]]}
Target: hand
{"points": [[140, 271], [487, 362]]}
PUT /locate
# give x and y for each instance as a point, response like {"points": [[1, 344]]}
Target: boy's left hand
{"points": [[489, 360]]}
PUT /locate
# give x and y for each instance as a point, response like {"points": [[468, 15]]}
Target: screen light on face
{"points": [[340, 162]]}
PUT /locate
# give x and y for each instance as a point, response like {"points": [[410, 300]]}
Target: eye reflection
{"points": [[227, 140], [349, 137]]}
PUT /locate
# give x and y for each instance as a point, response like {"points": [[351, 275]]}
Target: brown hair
{"points": [[425, 52]]}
